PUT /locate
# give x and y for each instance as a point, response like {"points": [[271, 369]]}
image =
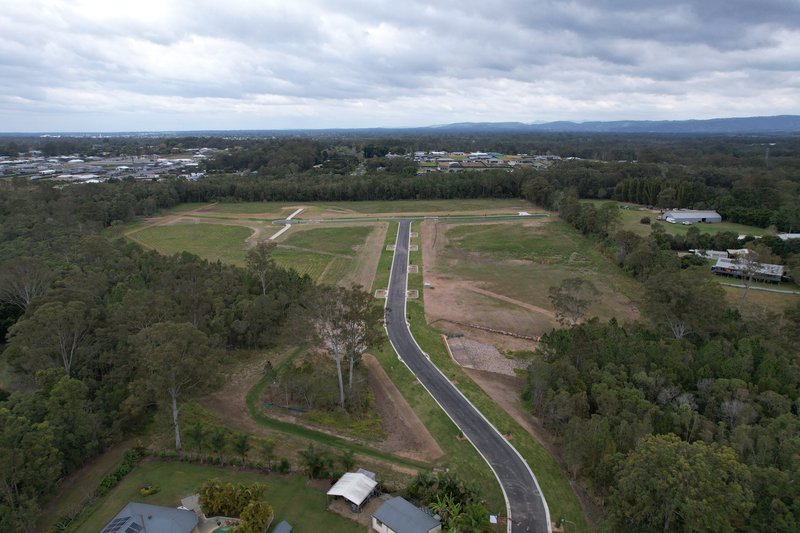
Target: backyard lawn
{"points": [[290, 496]]}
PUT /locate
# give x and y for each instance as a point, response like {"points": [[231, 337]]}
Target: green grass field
{"points": [[209, 241], [631, 220], [326, 254], [276, 210], [332, 240], [523, 262], [290, 496], [271, 210]]}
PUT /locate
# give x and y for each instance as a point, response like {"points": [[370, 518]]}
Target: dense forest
{"points": [[94, 326], [684, 420]]}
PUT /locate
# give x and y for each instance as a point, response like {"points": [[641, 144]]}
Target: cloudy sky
{"points": [[114, 65]]}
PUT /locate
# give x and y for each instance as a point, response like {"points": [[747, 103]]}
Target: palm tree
{"points": [[241, 444], [197, 435], [268, 452], [474, 519], [218, 441]]}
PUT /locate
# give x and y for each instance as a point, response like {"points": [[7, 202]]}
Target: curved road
{"points": [[526, 506]]}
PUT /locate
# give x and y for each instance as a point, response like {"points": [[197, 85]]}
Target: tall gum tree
{"points": [[360, 326], [177, 364]]}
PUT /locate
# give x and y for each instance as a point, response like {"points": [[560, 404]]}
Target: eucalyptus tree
{"points": [[177, 364]]}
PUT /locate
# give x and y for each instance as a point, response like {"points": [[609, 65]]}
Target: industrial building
{"points": [[690, 216]]}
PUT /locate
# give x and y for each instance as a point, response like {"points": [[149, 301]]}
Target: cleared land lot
{"points": [[316, 210], [498, 275], [215, 242], [333, 254]]}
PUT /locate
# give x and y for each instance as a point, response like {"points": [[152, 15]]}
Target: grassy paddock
{"points": [[276, 210], [523, 262], [290, 496], [271, 210], [326, 254], [342, 240], [759, 302], [632, 215], [209, 241]]}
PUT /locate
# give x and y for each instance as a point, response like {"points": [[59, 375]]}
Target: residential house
{"points": [[145, 518], [400, 516]]}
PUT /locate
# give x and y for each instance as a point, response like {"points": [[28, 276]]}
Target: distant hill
{"points": [[779, 124], [773, 124]]}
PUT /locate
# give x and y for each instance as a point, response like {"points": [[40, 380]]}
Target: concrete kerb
{"points": [[533, 476]]}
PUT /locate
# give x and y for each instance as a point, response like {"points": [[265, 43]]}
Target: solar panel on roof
{"points": [[115, 525], [134, 528]]}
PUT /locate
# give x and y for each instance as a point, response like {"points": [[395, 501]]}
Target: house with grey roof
{"points": [[400, 516], [145, 518], [739, 268]]}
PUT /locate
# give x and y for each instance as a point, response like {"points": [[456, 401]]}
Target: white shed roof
{"points": [[353, 487]]}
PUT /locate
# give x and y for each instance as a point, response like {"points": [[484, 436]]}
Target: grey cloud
{"points": [[415, 54]]}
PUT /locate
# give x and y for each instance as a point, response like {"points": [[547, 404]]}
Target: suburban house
{"points": [[146, 518], [355, 487], [690, 216], [738, 269], [400, 516]]}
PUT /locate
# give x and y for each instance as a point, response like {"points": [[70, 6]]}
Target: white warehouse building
{"points": [[679, 216]]}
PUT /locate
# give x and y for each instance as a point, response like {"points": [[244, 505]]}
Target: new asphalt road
{"points": [[526, 504]]}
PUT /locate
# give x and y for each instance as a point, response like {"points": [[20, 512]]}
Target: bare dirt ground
{"points": [[341, 507], [408, 436], [479, 356], [229, 404], [452, 300], [506, 391]]}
